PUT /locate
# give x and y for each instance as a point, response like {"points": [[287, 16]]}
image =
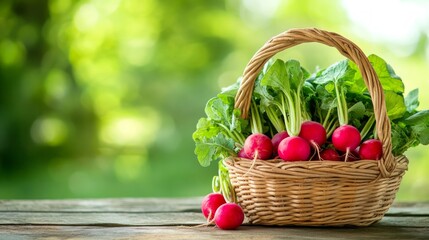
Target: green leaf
{"points": [[210, 143], [205, 129], [261, 92], [205, 153], [419, 122], [339, 72], [412, 100], [295, 74], [402, 138], [276, 76], [388, 78], [358, 115], [214, 149], [358, 110], [356, 84], [330, 87], [221, 109], [395, 105], [325, 96]]}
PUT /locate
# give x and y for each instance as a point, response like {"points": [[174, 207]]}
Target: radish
{"points": [[242, 154], [346, 138], [294, 149], [277, 138], [258, 145], [210, 204], [314, 133], [371, 149], [229, 216], [330, 154]]}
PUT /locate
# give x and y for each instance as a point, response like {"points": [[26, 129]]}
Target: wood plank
{"points": [[414, 209], [152, 219], [100, 218], [177, 232], [155, 218], [137, 205], [143, 205]]}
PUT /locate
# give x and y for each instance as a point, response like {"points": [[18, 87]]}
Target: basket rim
{"points": [[348, 49], [360, 170]]}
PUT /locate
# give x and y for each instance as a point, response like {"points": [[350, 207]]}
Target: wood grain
{"points": [[152, 219], [103, 205], [177, 232], [163, 218]]}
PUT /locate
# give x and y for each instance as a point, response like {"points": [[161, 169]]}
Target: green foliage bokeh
{"points": [[100, 98]]}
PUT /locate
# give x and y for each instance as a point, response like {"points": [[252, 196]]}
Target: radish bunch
{"points": [[297, 115], [226, 216], [312, 143]]}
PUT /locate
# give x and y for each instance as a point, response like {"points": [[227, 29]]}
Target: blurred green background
{"points": [[99, 98]]}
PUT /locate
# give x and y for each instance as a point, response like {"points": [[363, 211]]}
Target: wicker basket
{"points": [[316, 193]]}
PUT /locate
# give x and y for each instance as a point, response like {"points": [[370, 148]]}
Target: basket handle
{"points": [[347, 48]]}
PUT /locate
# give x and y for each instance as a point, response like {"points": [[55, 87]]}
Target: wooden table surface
{"points": [[159, 218]]}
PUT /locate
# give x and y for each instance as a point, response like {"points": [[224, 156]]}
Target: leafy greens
{"points": [[285, 95]]}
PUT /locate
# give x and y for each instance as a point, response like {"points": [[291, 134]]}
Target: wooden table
{"points": [[178, 219]]}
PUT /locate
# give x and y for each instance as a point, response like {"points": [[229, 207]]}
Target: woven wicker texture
{"points": [[316, 193]]}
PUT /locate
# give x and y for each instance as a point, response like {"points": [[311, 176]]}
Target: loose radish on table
{"points": [[229, 216], [371, 149], [294, 149], [210, 204], [258, 145]]}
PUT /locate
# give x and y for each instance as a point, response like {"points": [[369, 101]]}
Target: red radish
{"points": [[242, 154], [294, 149], [210, 204], [346, 138], [314, 133], [371, 149], [259, 146], [229, 216], [354, 155], [330, 154], [277, 138]]}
